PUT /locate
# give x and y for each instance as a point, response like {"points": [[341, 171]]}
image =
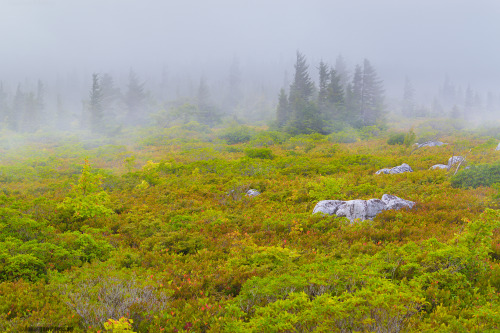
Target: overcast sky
{"points": [[425, 39]]}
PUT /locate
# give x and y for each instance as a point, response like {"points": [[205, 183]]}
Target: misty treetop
{"points": [[309, 109]]}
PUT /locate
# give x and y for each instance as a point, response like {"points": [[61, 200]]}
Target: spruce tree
{"points": [[408, 99], [134, 100], [355, 96], [95, 105], [335, 97], [282, 111], [372, 100], [324, 81], [305, 116]]}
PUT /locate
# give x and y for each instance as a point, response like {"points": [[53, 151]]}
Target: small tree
{"points": [[87, 199]]}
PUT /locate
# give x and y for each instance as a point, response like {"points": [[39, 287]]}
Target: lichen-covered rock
{"points": [[361, 209], [252, 193], [394, 202], [327, 206], [455, 160], [439, 166], [430, 144], [397, 169]]}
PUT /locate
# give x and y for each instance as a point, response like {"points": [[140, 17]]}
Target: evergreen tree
{"points": [[4, 107], [342, 71], [408, 99], [305, 116], [40, 101], [61, 114], [110, 98], [207, 113], [17, 110], [335, 97], [324, 81], [95, 105], [234, 92], [30, 116], [372, 99], [282, 111], [134, 100], [354, 98], [469, 100]]}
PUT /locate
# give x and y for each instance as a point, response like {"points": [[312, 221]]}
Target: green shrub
{"points": [[477, 175], [262, 153], [396, 139], [237, 134]]}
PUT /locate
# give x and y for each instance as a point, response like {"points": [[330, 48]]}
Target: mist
{"points": [[172, 45]]}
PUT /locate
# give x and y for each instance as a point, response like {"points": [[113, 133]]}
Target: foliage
{"points": [[477, 175], [87, 200], [262, 153], [173, 243], [396, 139]]}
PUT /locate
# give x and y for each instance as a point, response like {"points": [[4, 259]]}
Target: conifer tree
{"points": [[206, 113], [408, 99], [305, 116], [342, 71], [282, 111], [134, 100], [4, 108], [95, 104], [372, 99], [324, 81], [335, 97], [355, 95], [30, 116]]}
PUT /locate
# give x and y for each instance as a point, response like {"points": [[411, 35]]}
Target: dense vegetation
{"points": [[151, 231]]}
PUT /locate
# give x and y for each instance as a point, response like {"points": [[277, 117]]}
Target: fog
{"points": [[180, 41]]}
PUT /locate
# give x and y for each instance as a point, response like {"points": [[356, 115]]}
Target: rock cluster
{"points": [[252, 193], [430, 144], [453, 160], [361, 209], [397, 169]]}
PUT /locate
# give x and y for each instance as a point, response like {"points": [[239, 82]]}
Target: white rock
{"points": [[397, 169], [455, 160], [430, 144], [394, 202], [327, 206], [498, 147], [252, 193], [439, 166], [384, 171], [361, 209]]}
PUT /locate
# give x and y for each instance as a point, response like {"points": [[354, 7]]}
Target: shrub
{"points": [[236, 134], [262, 153], [396, 139], [477, 175]]}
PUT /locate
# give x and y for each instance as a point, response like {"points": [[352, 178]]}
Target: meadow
{"points": [[151, 230]]}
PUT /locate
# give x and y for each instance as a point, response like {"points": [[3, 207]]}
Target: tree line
{"points": [[335, 102]]}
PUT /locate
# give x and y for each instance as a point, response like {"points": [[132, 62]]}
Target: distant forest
{"points": [[324, 98]]}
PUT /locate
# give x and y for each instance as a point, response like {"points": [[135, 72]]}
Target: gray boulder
{"points": [[455, 160], [394, 202], [252, 193], [439, 166], [498, 147], [430, 144], [361, 209], [397, 169], [328, 206]]}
